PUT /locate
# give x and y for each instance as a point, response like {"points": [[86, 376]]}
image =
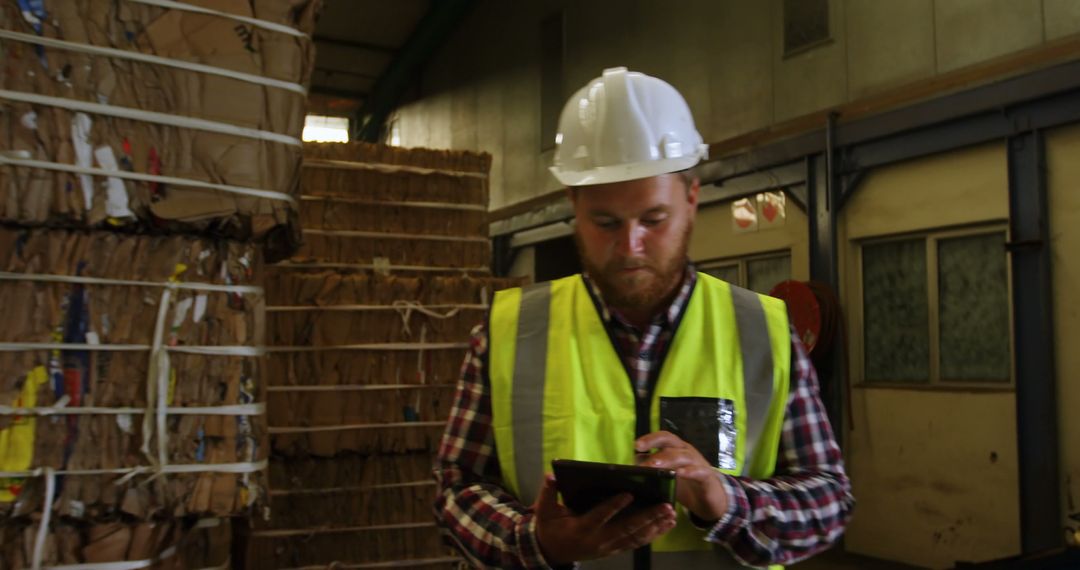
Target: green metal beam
{"points": [[430, 34]]}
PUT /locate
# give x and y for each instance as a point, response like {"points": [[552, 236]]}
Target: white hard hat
{"points": [[624, 126]]}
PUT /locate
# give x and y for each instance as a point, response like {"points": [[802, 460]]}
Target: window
{"points": [[319, 128], [806, 25], [551, 78], [935, 309], [758, 273]]}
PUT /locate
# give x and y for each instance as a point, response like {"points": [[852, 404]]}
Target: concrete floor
{"points": [[837, 559]]}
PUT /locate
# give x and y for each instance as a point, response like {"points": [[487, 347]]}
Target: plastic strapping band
{"points": [[148, 116], [152, 59], [228, 410], [334, 530], [392, 307], [358, 387], [371, 346], [155, 392], [47, 278], [170, 180], [235, 468], [393, 203], [272, 26], [348, 427], [386, 168], [352, 489], [119, 565], [328, 265], [252, 351], [391, 235], [46, 516]]}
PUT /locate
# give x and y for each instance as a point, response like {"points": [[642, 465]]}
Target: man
{"points": [[640, 359]]}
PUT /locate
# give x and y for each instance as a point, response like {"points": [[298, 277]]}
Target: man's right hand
{"points": [[565, 537]]}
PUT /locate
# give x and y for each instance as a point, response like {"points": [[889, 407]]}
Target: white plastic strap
{"points": [[230, 410], [386, 168], [148, 116], [157, 384], [8, 159], [50, 278], [328, 265], [358, 387], [119, 565], [46, 516], [252, 351], [371, 346], [353, 489], [272, 26], [350, 427], [234, 468], [367, 202], [351, 308], [337, 530], [392, 235], [152, 59]]}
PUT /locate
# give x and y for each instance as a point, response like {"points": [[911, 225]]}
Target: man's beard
{"points": [[641, 289]]}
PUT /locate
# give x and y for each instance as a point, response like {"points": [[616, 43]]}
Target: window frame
{"points": [[930, 239], [741, 261]]}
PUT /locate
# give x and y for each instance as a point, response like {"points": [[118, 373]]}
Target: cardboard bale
{"points": [[366, 363], [166, 544], [125, 315], [42, 131]]}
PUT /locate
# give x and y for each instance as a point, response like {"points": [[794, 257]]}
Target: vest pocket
{"points": [[706, 423]]}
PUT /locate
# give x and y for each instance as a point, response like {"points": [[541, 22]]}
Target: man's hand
{"points": [[698, 483], [565, 537]]}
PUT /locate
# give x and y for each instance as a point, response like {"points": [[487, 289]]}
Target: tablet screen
{"points": [[585, 484]]}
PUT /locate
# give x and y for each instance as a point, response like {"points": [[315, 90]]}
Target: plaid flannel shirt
{"points": [[799, 511]]}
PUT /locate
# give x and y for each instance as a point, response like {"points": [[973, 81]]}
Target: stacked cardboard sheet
{"points": [[367, 328]]}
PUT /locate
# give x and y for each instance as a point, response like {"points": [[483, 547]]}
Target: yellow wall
{"points": [[714, 237], [934, 472], [1063, 166]]}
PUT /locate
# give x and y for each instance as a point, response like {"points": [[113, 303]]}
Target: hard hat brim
{"points": [[623, 172]]}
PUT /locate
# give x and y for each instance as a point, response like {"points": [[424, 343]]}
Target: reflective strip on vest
{"points": [[530, 363], [757, 367]]}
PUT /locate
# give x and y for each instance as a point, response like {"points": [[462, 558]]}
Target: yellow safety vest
{"points": [[560, 390]]}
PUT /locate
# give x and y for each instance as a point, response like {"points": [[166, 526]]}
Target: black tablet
{"points": [[585, 484]]}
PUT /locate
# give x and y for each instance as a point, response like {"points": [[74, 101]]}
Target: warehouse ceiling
{"points": [[356, 41]]}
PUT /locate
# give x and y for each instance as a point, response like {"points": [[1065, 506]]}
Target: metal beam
{"points": [[1033, 334], [335, 92], [986, 101], [331, 71], [353, 44], [431, 32]]}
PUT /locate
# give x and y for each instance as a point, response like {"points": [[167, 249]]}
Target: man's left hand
{"points": [[698, 483]]}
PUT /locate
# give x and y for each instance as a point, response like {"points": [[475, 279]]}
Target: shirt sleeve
{"points": [[488, 525], [805, 506]]}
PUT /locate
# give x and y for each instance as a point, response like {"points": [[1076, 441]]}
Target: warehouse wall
{"points": [[715, 238], [1063, 185], [934, 470], [482, 92]]}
